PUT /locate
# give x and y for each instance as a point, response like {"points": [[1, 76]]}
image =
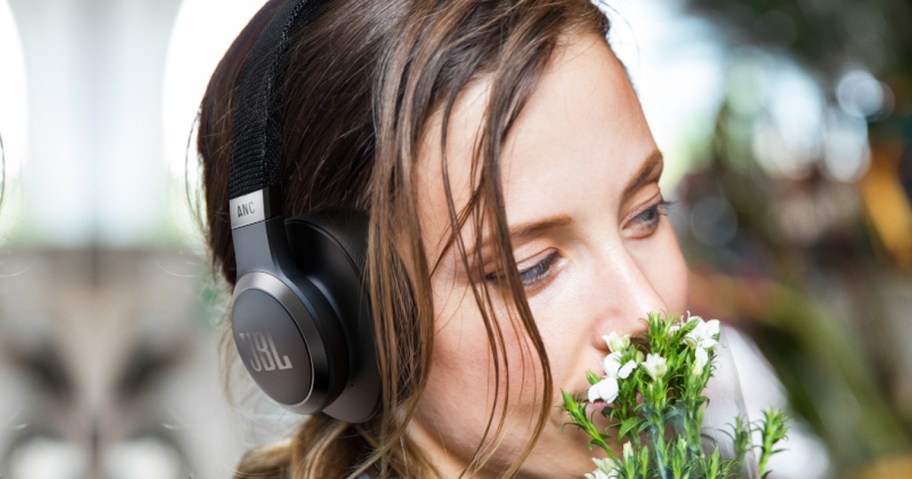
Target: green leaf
{"points": [[628, 425], [592, 378]]}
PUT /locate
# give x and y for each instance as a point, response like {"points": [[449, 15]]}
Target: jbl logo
{"points": [[245, 209], [263, 355]]}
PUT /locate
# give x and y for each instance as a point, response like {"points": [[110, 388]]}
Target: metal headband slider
{"points": [[251, 208]]}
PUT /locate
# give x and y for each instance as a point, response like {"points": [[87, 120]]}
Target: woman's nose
{"points": [[622, 296]]}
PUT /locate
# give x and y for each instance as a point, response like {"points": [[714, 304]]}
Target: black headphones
{"points": [[300, 313]]}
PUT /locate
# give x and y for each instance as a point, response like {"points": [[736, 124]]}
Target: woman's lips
{"points": [[596, 406]]}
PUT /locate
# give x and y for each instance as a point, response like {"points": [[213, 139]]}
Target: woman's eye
{"points": [[539, 271], [648, 220], [532, 275]]}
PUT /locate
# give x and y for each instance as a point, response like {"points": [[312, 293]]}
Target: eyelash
{"points": [[532, 275], [650, 217], [539, 271]]}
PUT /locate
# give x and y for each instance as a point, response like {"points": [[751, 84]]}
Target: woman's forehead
{"points": [[464, 124], [578, 140]]}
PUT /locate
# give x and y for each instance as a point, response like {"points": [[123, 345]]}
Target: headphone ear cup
{"points": [[330, 248], [347, 228]]}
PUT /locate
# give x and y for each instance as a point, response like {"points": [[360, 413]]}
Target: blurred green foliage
{"points": [[815, 265]]}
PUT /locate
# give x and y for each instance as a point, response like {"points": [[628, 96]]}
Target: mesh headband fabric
{"points": [[256, 126]]}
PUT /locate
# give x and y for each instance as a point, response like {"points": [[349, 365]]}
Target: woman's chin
{"points": [[596, 407], [563, 448], [566, 445]]}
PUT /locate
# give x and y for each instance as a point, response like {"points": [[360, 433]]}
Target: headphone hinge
{"points": [[254, 207]]}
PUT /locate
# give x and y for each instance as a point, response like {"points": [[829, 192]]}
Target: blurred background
{"points": [[787, 132]]}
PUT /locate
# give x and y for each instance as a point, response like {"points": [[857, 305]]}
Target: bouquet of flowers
{"points": [[652, 393]]}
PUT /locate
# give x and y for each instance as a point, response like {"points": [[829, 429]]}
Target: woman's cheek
{"points": [[669, 273]]}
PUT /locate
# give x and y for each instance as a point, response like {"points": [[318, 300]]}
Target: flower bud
{"points": [[656, 366], [628, 451], [616, 343]]}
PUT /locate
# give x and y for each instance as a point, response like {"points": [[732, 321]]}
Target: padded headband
{"points": [[256, 131]]}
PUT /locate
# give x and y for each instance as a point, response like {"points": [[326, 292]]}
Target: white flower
{"points": [[607, 388], [626, 369], [704, 334], [702, 357], [598, 474], [605, 469], [616, 342], [613, 368], [655, 365]]}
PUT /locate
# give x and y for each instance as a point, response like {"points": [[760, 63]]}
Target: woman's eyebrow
{"points": [[650, 168], [528, 230], [533, 228]]}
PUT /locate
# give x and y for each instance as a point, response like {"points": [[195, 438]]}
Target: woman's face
{"points": [[580, 179]]}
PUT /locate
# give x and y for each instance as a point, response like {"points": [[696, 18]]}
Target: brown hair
{"points": [[365, 77]]}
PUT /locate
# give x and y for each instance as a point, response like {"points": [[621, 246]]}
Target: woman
{"points": [[512, 187]]}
